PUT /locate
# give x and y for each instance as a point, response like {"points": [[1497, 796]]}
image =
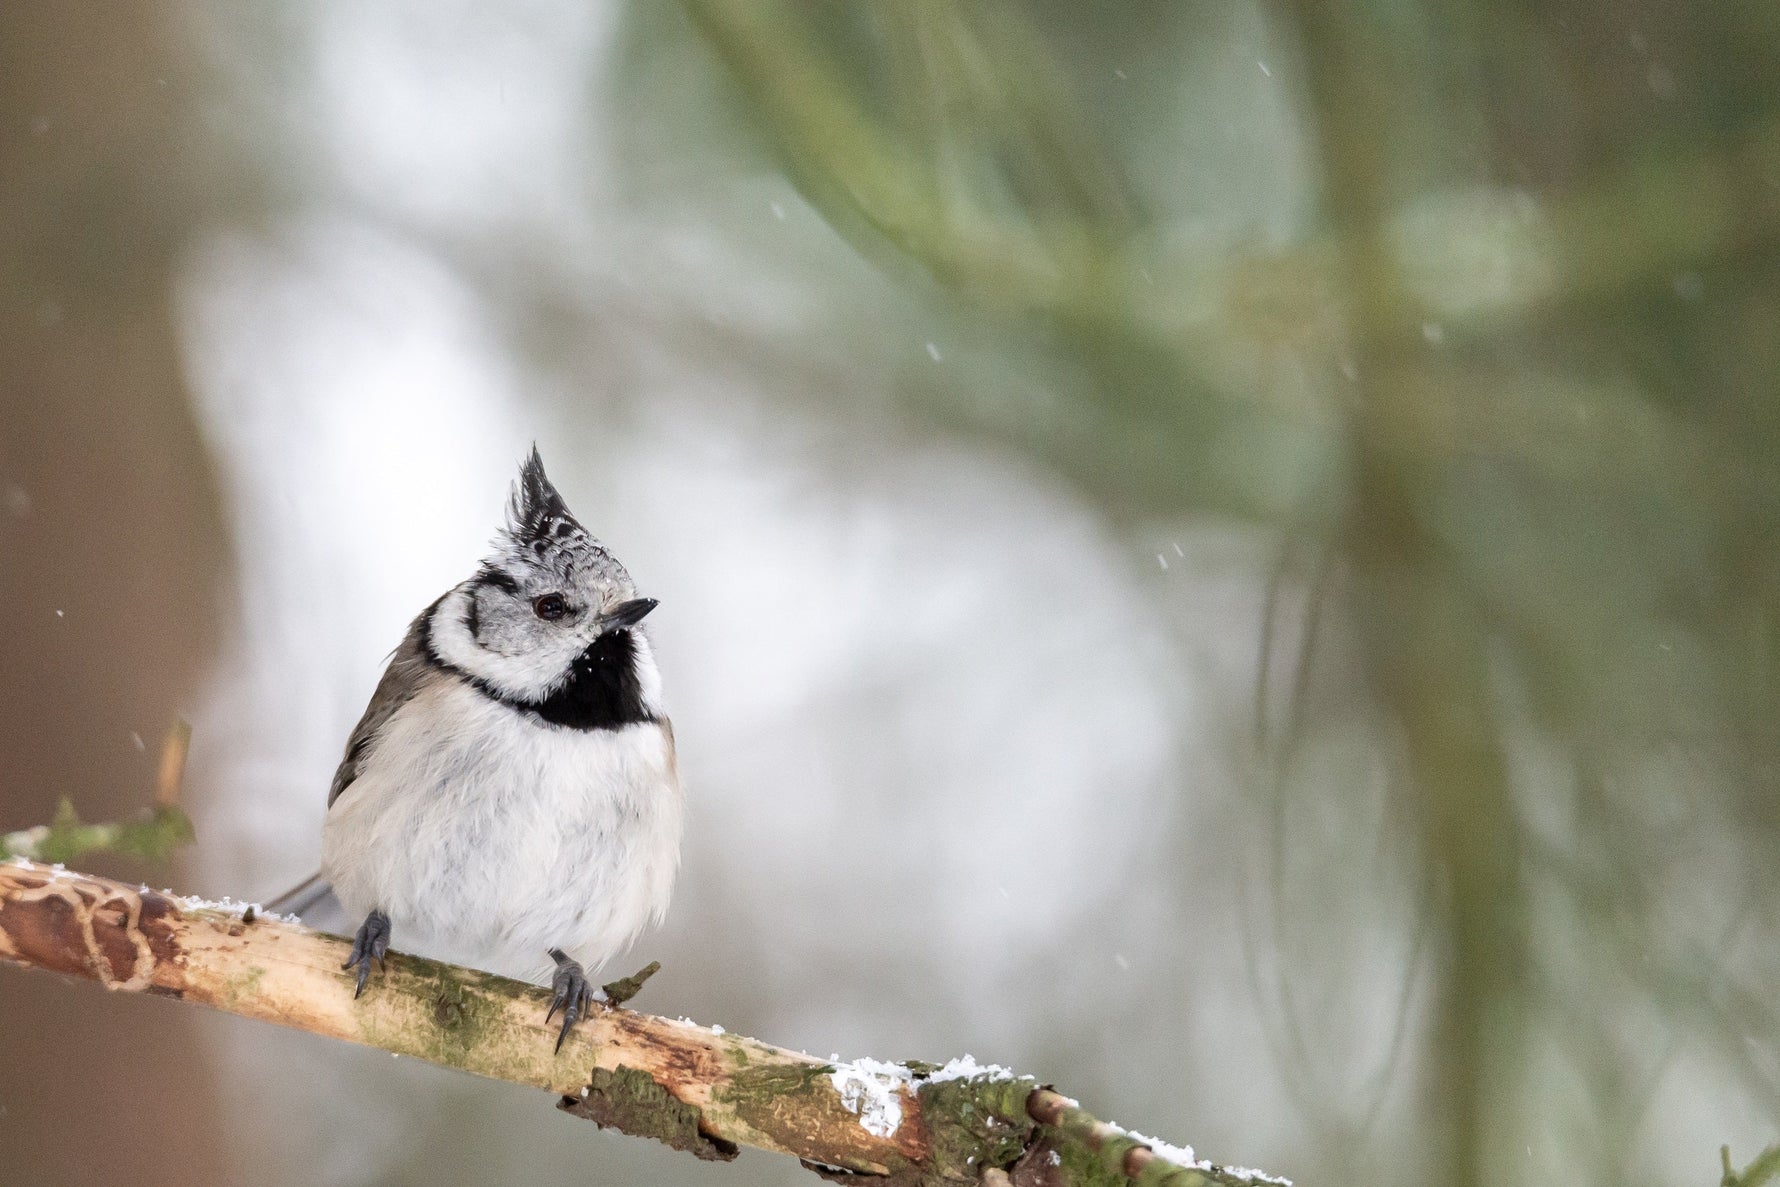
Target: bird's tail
{"points": [[301, 897]]}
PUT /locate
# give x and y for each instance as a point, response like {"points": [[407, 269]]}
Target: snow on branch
{"points": [[699, 1089]]}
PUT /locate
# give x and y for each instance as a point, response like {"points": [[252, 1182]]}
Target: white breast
{"points": [[489, 837]]}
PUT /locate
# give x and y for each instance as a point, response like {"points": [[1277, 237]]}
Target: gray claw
{"points": [[371, 943], [573, 993]]}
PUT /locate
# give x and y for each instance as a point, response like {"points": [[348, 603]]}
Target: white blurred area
{"points": [[948, 737]]}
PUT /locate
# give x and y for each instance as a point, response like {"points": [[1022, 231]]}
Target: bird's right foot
{"points": [[371, 943]]}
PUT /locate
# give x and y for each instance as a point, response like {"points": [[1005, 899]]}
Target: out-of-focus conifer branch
{"points": [[1764, 1168], [1468, 261]]}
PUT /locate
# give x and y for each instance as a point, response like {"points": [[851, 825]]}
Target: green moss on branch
{"points": [[67, 837]]}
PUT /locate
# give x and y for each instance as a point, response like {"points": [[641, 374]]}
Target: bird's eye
{"points": [[550, 607]]}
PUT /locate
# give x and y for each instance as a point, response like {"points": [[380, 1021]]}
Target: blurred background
{"points": [[1221, 555]]}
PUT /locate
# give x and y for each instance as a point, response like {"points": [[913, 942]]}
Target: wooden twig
{"points": [[170, 775], [698, 1089]]}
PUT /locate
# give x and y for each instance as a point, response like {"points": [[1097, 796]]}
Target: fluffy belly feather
{"points": [[488, 837]]}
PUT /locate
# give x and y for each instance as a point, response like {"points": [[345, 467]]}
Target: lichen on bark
{"points": [[794, 1107], [630, 1101], [974, 1123]]}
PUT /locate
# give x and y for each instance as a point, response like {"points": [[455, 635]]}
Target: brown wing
{"points": [[401, 680]]}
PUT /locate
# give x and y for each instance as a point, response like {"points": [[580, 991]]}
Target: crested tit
{"points": [[510, 796]]}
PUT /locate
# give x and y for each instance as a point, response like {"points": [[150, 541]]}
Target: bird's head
{"points": [[546, 594]]}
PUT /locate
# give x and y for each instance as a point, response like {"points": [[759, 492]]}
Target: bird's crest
{"points": [[542, 530]]}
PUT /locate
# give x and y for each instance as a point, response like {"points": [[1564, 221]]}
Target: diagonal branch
{"points": [[700, 1090]]}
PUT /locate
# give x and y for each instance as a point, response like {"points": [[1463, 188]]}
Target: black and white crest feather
{"points": [[541, 530], [536, 511]]}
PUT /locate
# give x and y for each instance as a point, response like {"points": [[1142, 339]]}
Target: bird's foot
{"points": [[371, 943], [572, 993]]}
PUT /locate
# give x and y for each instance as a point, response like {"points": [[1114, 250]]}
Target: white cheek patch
{"points": [[648, 675], [522, 677]]}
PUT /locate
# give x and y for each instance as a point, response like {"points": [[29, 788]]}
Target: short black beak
{"points": [[626, 614]]}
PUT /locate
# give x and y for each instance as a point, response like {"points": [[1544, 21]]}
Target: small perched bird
{"points": [[510, 797]]}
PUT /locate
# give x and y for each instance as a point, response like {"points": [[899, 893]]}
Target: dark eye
{"points": [[550, 606]]}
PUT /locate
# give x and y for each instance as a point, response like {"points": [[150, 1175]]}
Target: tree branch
{"points": [[698, 1089]]}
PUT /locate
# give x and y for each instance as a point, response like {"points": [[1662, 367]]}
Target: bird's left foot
{"points": [[573, 993]]}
